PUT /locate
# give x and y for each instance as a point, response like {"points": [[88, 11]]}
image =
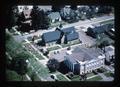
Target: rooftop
{"points": [[69, 30], [54, 15], [72, 36], [51, 36], [84, 54]]}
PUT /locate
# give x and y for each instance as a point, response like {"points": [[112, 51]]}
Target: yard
{"points": [[70, 44], [76, 78], [38, 68], [90, 74], [61, 77], [33, 51], [107, 22], [53, 48], [97, 78], [108, 74], [57, 24]]}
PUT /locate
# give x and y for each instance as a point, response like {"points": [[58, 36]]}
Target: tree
{"points": [[73, 7], [57, 8], [20, 66], [13, 16], [53, 65], [39, 19], [12, 76]]}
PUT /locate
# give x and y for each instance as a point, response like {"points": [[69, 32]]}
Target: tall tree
{"points": [[53, 65], [39, 19]]}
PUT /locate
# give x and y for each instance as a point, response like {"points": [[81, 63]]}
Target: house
{"points": [[84, 60], [110, 53], [54, 17], [65, 35], [50, 38], [98, 30], [71, 37], [70, 34], [27, 12]]}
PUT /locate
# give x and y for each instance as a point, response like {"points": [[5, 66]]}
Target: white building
{"points": [[110, 53], [84, 60]]}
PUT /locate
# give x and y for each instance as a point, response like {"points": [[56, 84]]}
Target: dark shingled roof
{"points": [[51, 36], [72, 36], [68, 30], [102, 29]]}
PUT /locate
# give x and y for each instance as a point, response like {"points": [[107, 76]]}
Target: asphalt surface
{"points": [[77, 24]]}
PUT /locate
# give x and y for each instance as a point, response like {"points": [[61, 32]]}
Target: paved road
{"points": [[77, 24]]}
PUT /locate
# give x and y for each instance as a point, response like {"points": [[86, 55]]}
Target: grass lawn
{"points": [[107, 22], [61, 77], [108, 74], [58, 23], [53, 48], [97, 78], [90, 74], [33, 51], [76, 78], [69, 44]]}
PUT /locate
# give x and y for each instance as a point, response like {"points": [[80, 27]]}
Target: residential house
{"points": [[50, 38], [70, 34], [110, 53], [98, 30], [65, 35], [83, 60], [54, 17]]}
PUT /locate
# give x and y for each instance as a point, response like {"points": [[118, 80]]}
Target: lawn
{"points": [[53, 48], [70, 44], [107, 22], [90, 74], [61, 77], [76, 78], [57, 24], [33, 51], [39, 68], [108, 74], [97, 78]]}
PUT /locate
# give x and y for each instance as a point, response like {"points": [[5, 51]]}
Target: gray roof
{"points": [[72, 36], [84, 54], [51, 36], [55, 35], [68, 30], [72, 60], [102, 29], [54, 15]]}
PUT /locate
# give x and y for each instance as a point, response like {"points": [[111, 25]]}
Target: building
{"points": [[70, 35], [110, 53], [93, 32], [84, 60], [65, 35], [50, 38], [54, 17]]}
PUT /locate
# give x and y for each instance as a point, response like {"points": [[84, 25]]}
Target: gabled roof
{"points": [[102, 29], [54, 15], [51, 36], [68, 30], [72, 36]]}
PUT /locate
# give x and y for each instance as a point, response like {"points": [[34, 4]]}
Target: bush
{"points": [[53, 65]]}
